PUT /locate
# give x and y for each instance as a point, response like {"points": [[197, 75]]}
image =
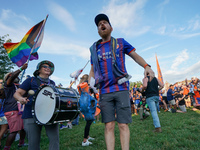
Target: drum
{"points": [[52, 105]]}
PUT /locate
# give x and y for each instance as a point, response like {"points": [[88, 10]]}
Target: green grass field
{"points": [[181, 131]]}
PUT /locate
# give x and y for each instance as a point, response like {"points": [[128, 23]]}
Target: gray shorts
{"points": [[116, 102], [172, 102], [182, 107], [3, 120]]}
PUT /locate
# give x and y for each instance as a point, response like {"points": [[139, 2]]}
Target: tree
{"points": [[133, 83], [5, 63]]}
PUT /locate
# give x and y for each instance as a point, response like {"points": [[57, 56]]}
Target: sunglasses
{"points": [[46, 67], [1, 82]]}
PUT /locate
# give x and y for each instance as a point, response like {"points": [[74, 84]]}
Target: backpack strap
{"points": [[39, 82], [114, 46]]}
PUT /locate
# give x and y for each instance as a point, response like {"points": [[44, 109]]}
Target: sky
{"points": [[169, 29]]}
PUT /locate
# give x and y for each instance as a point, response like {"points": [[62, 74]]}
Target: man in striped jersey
{"points": [[108, 69]]}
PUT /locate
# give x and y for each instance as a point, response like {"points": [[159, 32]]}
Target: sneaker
{"points": [[87, 143], [62, 127], [158, 130], [69, 126], [22, 145], [91, 138], [17, 137]]}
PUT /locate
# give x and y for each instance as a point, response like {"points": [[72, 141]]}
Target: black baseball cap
{"points": [[100, 17]]}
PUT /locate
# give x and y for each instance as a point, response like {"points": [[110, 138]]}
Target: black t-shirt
{"points": [[152, 88], [10, 103], [181, 102]]}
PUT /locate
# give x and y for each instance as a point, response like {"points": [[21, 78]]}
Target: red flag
{"points": [[160, 77]]}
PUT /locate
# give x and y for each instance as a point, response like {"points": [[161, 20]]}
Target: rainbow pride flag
{"points": [[21, 52]]}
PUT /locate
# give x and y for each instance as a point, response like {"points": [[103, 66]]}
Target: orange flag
{"points": [[160, 77]]}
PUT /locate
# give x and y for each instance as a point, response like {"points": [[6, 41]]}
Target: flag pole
{"points": [[86, 64], [77, 73], [34, 45]]}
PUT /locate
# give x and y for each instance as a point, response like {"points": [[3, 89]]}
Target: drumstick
{"points": [[30, 93]]}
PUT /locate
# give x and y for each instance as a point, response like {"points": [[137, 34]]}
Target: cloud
{"points": [[59, 80], [185, 31], [15, 25], [150, 47], [63, 46], [162, 4], [182, 56], [8, 14], [179, 70], [186, 36], [194, 23], [173, 76], [161, 30], [161, 7], [127, 16], [55, 78], [62, 15]]}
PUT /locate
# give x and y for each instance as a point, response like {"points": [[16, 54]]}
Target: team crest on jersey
{"points": [[117, 46]]}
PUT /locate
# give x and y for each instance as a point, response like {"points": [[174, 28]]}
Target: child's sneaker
{"points": [[22, 145], [17, 137], [87, 143], [69, 126], [62, 126], [91, 138]]}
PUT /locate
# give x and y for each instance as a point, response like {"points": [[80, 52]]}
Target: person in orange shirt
{"points": [[187, 97], [83, 86], [196, 91]]}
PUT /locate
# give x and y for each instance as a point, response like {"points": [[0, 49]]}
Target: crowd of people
{"points": [[173, 98], [117, 102]]}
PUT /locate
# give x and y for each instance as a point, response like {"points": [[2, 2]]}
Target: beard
{"points": [[105, 33]]}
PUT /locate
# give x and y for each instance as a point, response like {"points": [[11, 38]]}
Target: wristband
{"points": [[20, 69], [146, 65]]}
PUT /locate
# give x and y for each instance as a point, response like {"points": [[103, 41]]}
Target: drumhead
{"points": [[45, 104]]}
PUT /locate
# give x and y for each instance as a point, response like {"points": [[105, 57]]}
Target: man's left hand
{"points": [[24, 66], [149, 71]]}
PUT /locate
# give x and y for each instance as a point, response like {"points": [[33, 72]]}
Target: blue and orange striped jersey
{"points": [[104, 53]]}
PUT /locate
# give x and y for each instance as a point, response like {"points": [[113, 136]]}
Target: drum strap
{"points": [[39, 81]]}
